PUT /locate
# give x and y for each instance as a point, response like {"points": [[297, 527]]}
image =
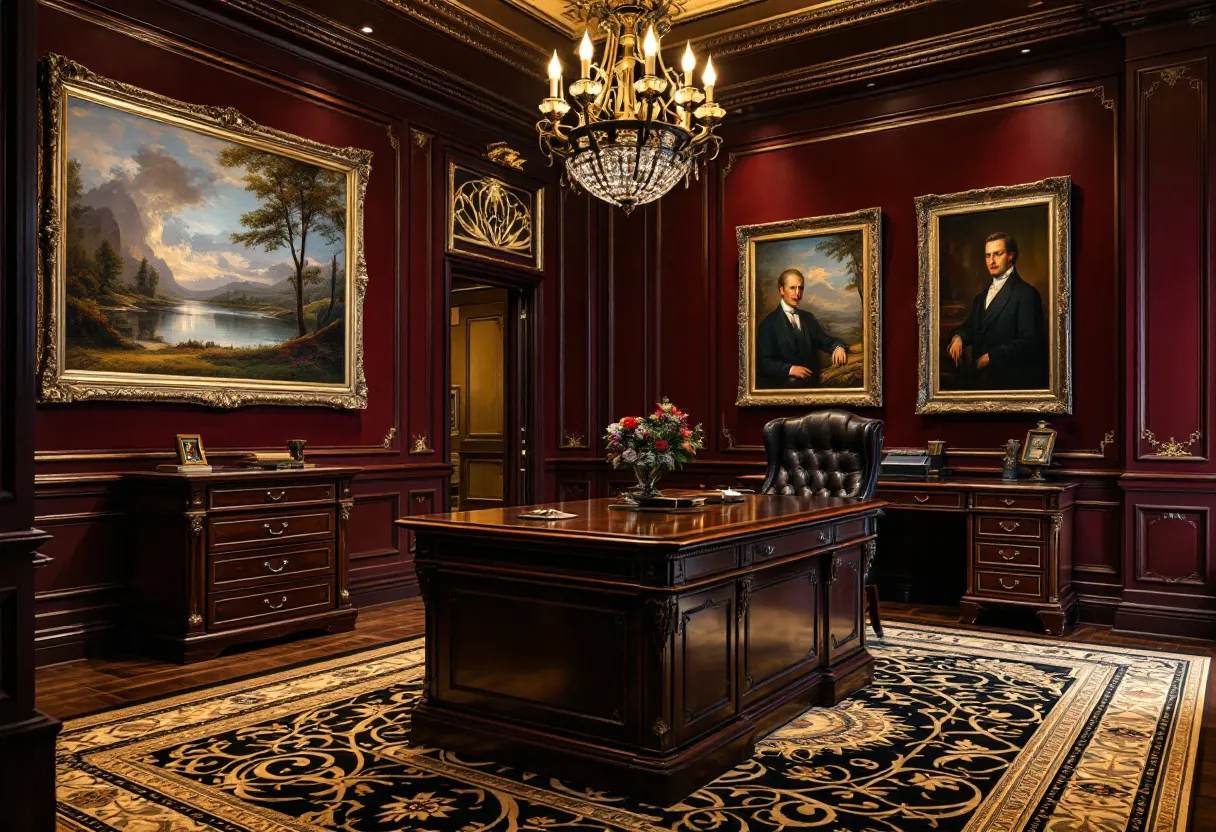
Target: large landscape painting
{"points": [[199, 261]]}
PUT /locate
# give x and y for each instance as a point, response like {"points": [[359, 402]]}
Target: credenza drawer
{"points": [[259, 567], [280, 527], [1008, 554], [927, 499], [1008, 525], [850, 530], [1026, 502], [241, 609], [1009, 584], [270, 495], [792, 544]]}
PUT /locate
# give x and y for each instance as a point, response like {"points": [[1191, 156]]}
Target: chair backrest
{"points": [[829, 453]]}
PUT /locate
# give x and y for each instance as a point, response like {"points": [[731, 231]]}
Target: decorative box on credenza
{"points": [[236, 555]]}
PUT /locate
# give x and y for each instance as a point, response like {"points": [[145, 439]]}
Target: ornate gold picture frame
{"points": [[810, 311], [172, 267], [492, 219], [995, 300]]}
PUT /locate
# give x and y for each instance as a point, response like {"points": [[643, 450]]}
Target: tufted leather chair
{"points": [[829, 453]]}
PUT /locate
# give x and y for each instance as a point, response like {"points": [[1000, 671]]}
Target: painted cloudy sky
{"points": [[188, 204], [824, 289]]}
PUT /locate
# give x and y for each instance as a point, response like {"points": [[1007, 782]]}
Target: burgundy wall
{"points": [[667, 281], [164, 48]]}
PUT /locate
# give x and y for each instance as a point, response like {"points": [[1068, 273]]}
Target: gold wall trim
{"points": [[1171, 448]]}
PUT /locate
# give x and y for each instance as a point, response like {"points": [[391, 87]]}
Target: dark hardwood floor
{"points": [[81, 687]]}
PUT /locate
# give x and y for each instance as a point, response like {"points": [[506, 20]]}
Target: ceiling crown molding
{"points": [[474, 30]]}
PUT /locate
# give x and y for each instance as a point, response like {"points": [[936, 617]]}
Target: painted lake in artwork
{"points": [[205, 323]]}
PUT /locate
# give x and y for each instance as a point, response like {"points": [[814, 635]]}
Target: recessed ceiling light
{"points": [[367, 30], [1025, 51]]}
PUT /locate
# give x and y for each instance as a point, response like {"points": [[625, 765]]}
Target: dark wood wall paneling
{"points": [[1169, 566], [667, 280], [399, 439]]}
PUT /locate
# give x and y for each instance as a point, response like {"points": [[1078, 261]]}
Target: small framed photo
{"points": [[190, 449], [1038, 447]]}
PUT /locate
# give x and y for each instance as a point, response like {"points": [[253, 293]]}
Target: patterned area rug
{"points": [[960, 731]]}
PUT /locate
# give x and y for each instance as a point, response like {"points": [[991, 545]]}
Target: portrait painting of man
{"points": [[809, 293], [995, 300]]}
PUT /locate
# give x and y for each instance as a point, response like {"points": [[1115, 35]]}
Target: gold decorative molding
{"points": [[392, 138], [1170, 76], [421, 444], [1171, 448], [421, 139], [727, 436], [195, 620], [1108, 439], [196, 523], [1100, 94], [493, 220], [501, 153], [574, 440], [345, 507], [388, 438]]}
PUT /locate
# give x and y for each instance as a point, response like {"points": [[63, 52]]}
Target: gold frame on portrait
{"points": [[179, 444], [61, 78], [1056, 193], [869, 222], [533, 258]]}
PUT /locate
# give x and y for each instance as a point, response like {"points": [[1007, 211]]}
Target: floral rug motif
{"points": [[960, 731]]}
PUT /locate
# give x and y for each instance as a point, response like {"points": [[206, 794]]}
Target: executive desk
{"points": [[1019, 540], [641, 653]]}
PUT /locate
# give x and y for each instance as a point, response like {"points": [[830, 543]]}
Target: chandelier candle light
{"points": [[626, 140]]}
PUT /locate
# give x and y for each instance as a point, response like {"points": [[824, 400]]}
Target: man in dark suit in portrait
{"points": [[1005, 329], [789, 340]]}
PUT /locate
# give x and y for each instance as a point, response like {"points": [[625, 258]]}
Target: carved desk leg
{"points": [[968, 611]]}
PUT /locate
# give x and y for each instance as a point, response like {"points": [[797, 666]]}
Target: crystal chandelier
{"points": [[626, 140]]}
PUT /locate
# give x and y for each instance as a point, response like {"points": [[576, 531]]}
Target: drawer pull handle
{"points": [[272, 532], [1002, 583], [1007, 501], [823, 537], [282, 601], [282, 566], [1008, 525], [1001, 552], [274, 498], [921, 498], [767, 550]]}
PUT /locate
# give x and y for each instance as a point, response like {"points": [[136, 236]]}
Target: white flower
{"points": [[667, 460], [629, 455], [640, 433], [615, 427]]}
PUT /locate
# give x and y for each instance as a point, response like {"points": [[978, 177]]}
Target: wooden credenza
{"points": [[1019, 540], [237, 555], [640, 653]]}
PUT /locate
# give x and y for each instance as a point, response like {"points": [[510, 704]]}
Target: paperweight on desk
{"points": [[545, 514]]}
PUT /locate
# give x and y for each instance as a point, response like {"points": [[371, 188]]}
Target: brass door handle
{"points": [[1007, 501], [921, 498], [274, 498], [272, 532], [1001, 581], [1001, 552], [282, 566], [1008, 526], [282, 601]]}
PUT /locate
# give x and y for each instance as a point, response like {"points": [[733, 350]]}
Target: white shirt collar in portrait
{"points": [[997, 284], [790, 313]]}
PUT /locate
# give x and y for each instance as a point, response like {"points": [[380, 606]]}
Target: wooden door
{"points": [[846, 605], [479, 402]]}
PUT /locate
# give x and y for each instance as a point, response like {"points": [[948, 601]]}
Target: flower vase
{"points": [[648, 481]]}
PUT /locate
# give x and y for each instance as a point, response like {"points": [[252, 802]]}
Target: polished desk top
{"points": [[982, 484], [595, 521]]}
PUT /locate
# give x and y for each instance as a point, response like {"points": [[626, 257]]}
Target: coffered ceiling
{"points": [[766, 50]]}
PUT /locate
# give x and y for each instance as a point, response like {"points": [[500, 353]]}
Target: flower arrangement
{"points": [[652, 444]]}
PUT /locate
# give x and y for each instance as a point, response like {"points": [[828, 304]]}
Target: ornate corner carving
{"points": [[574, 440], [392, 138], [729, 165], [421, 139], [1171, 448], [1107, 103], [426, 580], [745, 597], [194, 621], [660, 727], [387, 442], [501, 153], [196, 522], [1108, 439], [869, 550], [345, 507], [344, 596], [1173, 515], [664, 622], [1170, 76], [727, 437], [421, 444]]}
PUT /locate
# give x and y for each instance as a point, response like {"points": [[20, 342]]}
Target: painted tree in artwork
{"points": [[109, 266], [298, 200], [848, 249]]}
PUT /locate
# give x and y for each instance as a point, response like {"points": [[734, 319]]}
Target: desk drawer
{"points": [[242, 609], [791, 544], [925, 499], [1009, 584], [1026, 502], [270, 495], [280, 527], [1009, 525], [1008, 554], [259, 567]]}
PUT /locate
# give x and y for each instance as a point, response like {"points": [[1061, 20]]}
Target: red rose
{"points": [[629, 423], [660, 444], [685, 433]]}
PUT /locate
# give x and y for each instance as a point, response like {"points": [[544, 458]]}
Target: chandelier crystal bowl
{"points": [[625, 139]]}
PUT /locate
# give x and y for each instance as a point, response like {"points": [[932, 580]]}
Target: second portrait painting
{"points": [[809, 301]]}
